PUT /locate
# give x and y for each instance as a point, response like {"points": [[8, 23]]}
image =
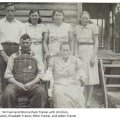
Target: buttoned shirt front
{"points": [[11, 31]]}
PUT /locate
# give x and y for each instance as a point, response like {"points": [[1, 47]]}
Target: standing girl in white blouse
{"points": [[35, 30], [58, 32]]}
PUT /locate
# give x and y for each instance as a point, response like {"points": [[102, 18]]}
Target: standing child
{"points": [[87, 47]]}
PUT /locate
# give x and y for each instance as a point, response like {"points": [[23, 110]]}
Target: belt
{"points": [[86, 43], [9, 43], [36, 42]]}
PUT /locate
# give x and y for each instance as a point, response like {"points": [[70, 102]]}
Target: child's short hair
{"points": [[24, 37], [8, 5], [64, 43]]}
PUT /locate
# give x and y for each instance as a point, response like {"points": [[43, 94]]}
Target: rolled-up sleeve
{"points": [[9, 69]]}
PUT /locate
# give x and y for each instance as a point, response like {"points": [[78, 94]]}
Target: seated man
{"points": [[24, 74], [67, 79]]}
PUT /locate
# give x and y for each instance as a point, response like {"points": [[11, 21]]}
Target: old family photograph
{"points": [[59, 55]]}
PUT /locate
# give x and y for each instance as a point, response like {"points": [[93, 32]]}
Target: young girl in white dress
{"points": [[86, 48]]}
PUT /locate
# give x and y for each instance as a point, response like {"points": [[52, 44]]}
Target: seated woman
{"points": [[67, 87], [24, 73]]}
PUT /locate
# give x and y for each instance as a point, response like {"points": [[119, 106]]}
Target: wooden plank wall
{"points": [[70, 10]]}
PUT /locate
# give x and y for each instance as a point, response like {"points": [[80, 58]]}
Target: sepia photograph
{"points": [[59, 55]]}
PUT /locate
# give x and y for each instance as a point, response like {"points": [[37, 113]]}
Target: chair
{"points": [[109, 93]]}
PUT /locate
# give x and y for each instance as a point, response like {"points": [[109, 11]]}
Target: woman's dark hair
{"points": [[33, 11], [59, 11], [87, 13]]}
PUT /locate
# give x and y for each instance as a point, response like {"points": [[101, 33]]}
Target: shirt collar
{"points": [[69, 57], [30, 24], [87, 26], [5, 20]]}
